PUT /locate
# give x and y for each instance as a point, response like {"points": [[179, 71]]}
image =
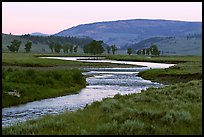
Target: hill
{"points": [[180, 45], [40, 43], [123, 32], [38, 34]]}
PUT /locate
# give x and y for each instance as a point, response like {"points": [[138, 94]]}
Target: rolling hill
{"points": [[179, 45], [40, 43], [123, 32]]}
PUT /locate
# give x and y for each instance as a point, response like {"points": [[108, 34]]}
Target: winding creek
{"points": [[103, 83]]}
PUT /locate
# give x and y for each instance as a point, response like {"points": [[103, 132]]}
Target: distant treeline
{"points": [[196, 36], [58, 39]]}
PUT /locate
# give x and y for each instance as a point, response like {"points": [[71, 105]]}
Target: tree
{"points": [[66, 47], [143, 51], [51, 46], [95, 47], [28, 46], [154, 50], [129, 51], [75, 49], [71, 48], [15, 45], [114, 48], [11, 48], [139, 52], [57, 48], [108, 48], [147, 51]]}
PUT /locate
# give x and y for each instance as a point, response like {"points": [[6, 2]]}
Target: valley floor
{"points": [[172, 110]]}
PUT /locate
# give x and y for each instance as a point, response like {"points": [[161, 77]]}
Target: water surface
{"points": [[103, 83]]}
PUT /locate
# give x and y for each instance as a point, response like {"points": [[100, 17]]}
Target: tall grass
{"points": [[182, 72], [35, 84]]}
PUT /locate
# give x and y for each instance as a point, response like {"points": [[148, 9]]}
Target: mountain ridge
{"points": [[122, 32], [39, 34]]}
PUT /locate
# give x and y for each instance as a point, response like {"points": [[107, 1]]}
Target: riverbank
{"points": [[30, 61], [182, 72], [31, 85], [157, 59], [187, 68], [25, 77], [174, 109]]}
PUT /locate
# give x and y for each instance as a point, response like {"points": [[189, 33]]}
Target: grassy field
{"points": [[160, 59], [172, 110], [32, 60]]}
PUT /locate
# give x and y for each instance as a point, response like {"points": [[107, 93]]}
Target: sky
{"points": [[51, 17]]}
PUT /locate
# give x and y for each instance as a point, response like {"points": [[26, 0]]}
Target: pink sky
{"points": [[51, 17]]}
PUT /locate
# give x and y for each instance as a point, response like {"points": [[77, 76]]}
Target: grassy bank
{"points": [[35, 84], [159, 59], [187, 68], [36, 78], [32, 60], [176, 109], [182, 72]]}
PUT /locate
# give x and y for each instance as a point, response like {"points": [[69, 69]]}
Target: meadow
{"points": [[160, 59], [175, 109], [31, 60]]}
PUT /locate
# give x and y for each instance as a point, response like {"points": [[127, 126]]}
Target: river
{"points": [[103, 83]]}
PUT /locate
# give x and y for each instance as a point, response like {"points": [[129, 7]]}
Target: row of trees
{"points": [[153, 50], [15, 45], [113, 48], [79, 41], [96, 47], [56, 47]]}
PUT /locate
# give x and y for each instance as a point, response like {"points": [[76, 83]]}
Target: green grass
{"points": [[27, 74], [36, 84], [68, 55], [32, 60], [172, 110], [182, 72], [29, 60], [186, 68], [160, 59]]}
